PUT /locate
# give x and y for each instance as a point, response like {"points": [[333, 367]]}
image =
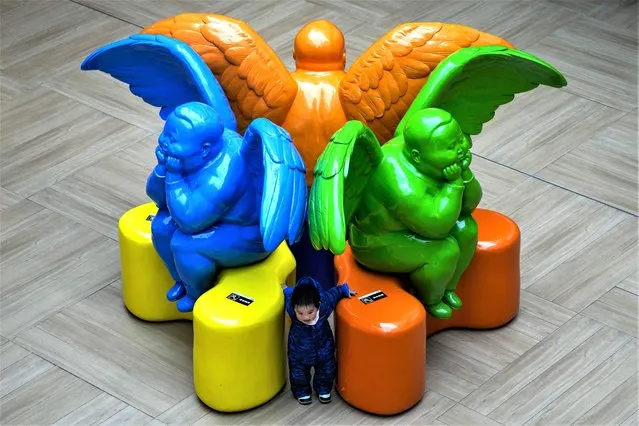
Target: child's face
{"points": [[305, 313]]}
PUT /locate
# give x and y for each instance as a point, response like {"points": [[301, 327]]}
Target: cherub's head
{"points": [[433, 140], [319, 46], [192, 134], [305, 300]]}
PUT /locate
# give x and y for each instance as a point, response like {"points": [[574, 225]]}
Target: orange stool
{"points": [[490, 287], [380, 341], [381, 346]]}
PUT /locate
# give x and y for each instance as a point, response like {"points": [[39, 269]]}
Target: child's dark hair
{"points": [[305, 293]]}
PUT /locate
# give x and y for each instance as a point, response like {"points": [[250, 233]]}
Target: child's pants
{"points": [[300, 376]]}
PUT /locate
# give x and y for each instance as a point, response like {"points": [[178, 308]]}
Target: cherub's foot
{"points": [[452, 300], [185, 304], [440, 310], [176, 292]]}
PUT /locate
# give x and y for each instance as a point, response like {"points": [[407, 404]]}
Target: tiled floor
{"points": [[76, 148]]}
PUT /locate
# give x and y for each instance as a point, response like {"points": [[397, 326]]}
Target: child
{"points": [[310, 339]]}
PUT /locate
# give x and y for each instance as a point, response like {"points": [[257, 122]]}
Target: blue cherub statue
{"points": [[223, 200]]}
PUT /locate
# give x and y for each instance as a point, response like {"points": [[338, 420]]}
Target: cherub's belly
{"points": [[315, 115]]}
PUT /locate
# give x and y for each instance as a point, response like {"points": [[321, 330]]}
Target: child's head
{"points": [[305, 300]]}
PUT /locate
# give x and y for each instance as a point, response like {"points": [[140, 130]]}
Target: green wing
{"points": [[341, 174], [473, 82]]}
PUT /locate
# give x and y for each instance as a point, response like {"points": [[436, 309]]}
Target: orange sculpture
{"points": [[317, 99], [380, 335]]}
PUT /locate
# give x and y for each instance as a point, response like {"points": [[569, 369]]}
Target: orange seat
{"points": [[381, 346], [380, 341], [490, 287]]}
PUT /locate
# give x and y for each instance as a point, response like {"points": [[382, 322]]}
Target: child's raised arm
{"points": [[336, 294]]}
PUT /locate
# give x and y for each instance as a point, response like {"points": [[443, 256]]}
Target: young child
{"points": [[310, 339]]}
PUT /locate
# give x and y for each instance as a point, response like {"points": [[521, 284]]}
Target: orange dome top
{"points": [[319, 46]]}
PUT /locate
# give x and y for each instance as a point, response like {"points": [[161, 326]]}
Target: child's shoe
{"points": [[305, 400], [325, 398]]}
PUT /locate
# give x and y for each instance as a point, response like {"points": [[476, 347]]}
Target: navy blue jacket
{"points": [[313, 344]]}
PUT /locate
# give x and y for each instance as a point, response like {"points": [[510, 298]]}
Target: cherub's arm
{"points": [[195, 209], [472, 192], [155, 188], [431, 216]]}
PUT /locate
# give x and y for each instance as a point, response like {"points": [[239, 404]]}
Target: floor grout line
{"points": [[105, 13], [556, 185]]}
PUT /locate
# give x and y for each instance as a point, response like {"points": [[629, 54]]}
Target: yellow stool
{"points": [[239, 357], [145, 279], [239, 353]]}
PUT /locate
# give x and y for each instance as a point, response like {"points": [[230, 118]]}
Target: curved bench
{"points": [[381, 346], [239, 359], [145, 279]]}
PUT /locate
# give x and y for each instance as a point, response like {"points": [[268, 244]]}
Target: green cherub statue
{"points": [[405, 207]]}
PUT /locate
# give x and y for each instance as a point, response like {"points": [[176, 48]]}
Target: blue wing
{"points": [[280, 177], [163, 71]]}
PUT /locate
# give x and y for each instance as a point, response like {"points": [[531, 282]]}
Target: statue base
{"points": [[239, 352], [381, 334]]}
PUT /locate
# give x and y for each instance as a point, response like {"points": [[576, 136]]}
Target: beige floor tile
{"points": [[604, 167], [38, 154], [555, 224], [532, 365], [128, 416], [519, 22], [591, 389], [44, 395], [540, 126], [589, 270], [142, 14], [494, 179], [187, 411], [19, 366], [8, 198], [617, 308], [453, 373], [41, 43], [538, 317], [597, 60], [42, 271], [104, 409], [630, 283], [146, 365], [617, 406], [460, 415], [14, 217], [561, 376], [495, 348], [633, 419], [618, 13], [99, 194], [10, 88]]}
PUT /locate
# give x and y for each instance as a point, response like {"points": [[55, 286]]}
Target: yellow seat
{"points": [[239, 357], [145, 279], [239, 353]]}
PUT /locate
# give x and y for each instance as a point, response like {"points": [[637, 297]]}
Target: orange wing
{"points": [[380, 86], [253, 77]]}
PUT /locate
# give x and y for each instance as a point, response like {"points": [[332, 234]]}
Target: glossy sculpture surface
{"points": [[405, 207], [223, 200], [319, 97]]}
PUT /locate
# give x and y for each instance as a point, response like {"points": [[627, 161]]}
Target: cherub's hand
{"points": [[173, 165], [452, 172], [465, 163], [159, 154]]}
